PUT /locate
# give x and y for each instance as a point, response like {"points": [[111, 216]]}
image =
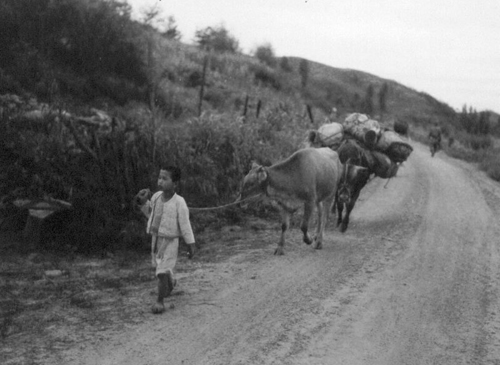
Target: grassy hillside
{"points": [[85, 124]]}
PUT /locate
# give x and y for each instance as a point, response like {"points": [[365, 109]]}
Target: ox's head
{"points": [[354, 178], [254, 182]]}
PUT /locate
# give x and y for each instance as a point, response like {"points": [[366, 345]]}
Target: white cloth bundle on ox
{"points": [[328, 135], [364, 129]]}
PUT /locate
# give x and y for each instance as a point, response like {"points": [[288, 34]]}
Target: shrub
{"points": [[265, 54], [194, 79], [216, 38], [31, 55], [266, 76], [491, 164], [474, 141], [285, 64], [99, 172], [216, 97]]}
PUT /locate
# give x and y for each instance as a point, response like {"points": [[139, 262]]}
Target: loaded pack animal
{"points": [[358, 167], [360, 163], [365, 150], [309, 177]]}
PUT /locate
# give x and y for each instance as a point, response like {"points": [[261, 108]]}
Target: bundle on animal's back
{"points": [[383, 166], [393, 146], [401, 127], [328, 135], [361, 127], [354, 152]]}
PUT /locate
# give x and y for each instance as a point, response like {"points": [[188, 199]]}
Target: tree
{"points": [[172, 32], [92, 37], [368, 101], [463, 118], [483, 124], [382, 97], [217, 39], [265, 54], [285, 64], [304, 72]]}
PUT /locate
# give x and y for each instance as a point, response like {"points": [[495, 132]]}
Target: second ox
{"points": [[309, 177], [354, 178]]}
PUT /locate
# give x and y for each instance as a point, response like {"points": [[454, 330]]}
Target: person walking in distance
{"points": [[435, 138], [168, 219]]}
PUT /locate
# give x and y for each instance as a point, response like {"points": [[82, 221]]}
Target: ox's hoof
{"points": [[279, 251], [158, 308], [307, 240], [343, 228], [318, 245]]}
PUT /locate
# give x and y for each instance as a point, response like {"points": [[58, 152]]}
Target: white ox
{"points": [[310, 177]]}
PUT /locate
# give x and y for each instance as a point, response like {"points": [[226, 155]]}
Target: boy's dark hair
{"points": [[175, 172]]}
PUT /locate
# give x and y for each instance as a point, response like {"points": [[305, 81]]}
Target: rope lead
{"points": [[223, 206]]}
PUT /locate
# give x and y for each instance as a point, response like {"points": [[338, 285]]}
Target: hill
{"points": [[232, 76]]}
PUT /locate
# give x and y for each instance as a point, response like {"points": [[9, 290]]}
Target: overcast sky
{"points": [[449, 49]]}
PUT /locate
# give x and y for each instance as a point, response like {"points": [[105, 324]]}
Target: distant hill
{"points": [[232, 77], [402, 102]]}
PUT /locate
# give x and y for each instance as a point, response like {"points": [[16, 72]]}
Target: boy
{"points": [[168, 219]]}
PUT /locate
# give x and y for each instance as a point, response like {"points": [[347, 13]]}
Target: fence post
{"points": [[202, 88], [309, 112], [259, 105], [245, 108]]}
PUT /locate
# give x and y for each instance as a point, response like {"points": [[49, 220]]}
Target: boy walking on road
{"points": [[168, 219]]}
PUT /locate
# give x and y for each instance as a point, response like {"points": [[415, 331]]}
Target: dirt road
{"points": [[414, 280]]}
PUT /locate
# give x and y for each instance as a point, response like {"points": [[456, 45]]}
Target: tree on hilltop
{"points": [[285, 64], [382, 97], [265, 54], [304, 72], [172, 32], [217, 39], [368, 107]]}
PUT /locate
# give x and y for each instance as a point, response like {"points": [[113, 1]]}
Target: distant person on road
{"points": [[435, 138], [168, 219]]}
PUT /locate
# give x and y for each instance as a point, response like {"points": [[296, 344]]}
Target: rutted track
{"points": [[414, 280]]}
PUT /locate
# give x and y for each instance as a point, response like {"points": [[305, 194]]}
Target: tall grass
{"points": [[490, 163], [100, 171]]}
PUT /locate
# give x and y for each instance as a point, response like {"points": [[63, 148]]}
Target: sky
{"points": [[449, 49]]}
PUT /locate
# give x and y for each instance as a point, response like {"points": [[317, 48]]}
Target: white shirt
{"points": [[175, 217]]}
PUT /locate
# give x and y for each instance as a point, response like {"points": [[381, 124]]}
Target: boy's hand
{"points": [[142, 197], [191, 249]]}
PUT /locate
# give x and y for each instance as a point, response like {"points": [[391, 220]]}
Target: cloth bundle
{"points": [[362, 128], [393, 146], [328, 135]]}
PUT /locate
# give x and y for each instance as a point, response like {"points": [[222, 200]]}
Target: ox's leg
{"points": [[318, 238], [324, 209], [340, 210], [345, 221], [349, 208], [285, 222], [304, 226]]}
